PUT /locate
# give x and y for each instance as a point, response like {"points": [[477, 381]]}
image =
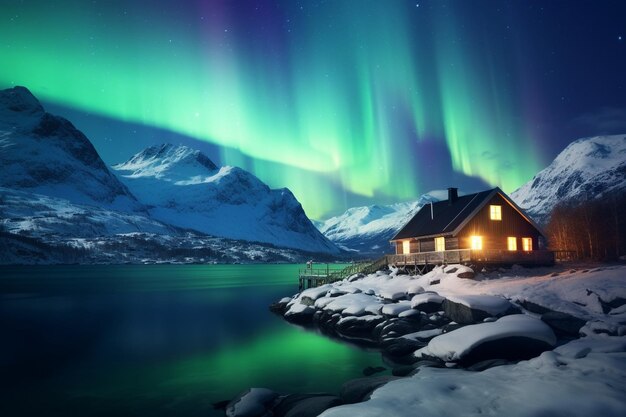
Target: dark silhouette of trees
{"points": [[591, 229]]}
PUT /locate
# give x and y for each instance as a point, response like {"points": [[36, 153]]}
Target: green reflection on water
{"points": [[148, 277]]}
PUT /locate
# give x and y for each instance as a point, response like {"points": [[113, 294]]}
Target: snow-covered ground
{"points": [[576, 375], [582, 378]]}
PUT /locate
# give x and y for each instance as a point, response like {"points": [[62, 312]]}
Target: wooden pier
{"points": [[314, 275]]}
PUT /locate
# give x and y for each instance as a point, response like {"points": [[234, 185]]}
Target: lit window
{"points": [[440, 244], [495, 212], [406, 247], [477, 242], [527, 244], [511, 243]]}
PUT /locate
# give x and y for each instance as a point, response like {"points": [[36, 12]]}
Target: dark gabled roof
{"points": [[447, 217]]}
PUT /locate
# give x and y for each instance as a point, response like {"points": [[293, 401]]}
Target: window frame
{"points": [[406, 247], [527, 244], [495, 212], [511, 243], [441, 247]]}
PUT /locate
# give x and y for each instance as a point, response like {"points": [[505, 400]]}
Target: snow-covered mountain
{"points": [[588, 168], [367, 229], [184, 188], [46, 154]]}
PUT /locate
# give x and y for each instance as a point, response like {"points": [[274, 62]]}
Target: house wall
{"points": [[495, 232]]}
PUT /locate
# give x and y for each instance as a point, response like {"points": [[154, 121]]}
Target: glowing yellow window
{"points": [[495, 212], [440, 244], [406, 247], [477, 242], [511, 243], [527, 244]]}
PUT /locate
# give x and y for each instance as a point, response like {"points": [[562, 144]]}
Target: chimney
{"points": [[453, 195]]}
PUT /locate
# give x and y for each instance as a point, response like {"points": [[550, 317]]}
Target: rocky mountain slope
{"points": [[46, 154], [587, 169], [184, 188]]}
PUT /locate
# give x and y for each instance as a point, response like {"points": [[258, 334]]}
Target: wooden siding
{"points": [[495, 232], [427, 245], [452, 243]]}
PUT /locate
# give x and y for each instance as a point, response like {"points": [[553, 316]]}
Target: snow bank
{"points": [[582, 378]]}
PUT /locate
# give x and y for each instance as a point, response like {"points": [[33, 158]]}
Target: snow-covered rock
{"points": [[396, 308], [462, 343], [427, 302], [587, 169], [184, 188], [45, 154], [467, 309], [368, 229], [252, 403]]}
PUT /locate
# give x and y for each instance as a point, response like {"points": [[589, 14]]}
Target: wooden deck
{"points": [[422, 262], [462, 256]]}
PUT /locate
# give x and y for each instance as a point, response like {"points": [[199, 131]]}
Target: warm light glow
{"points": [[440, 244], [495, 212], [527, 244], [511, 242], [477, 242], [406, 247]]}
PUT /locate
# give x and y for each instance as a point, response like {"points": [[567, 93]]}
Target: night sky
{"points": [[344, 102]]}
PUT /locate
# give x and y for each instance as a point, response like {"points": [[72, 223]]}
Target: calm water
{"points": [[155, 340]]}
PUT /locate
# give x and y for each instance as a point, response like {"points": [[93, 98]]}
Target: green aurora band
{"points": [[332, 99]]}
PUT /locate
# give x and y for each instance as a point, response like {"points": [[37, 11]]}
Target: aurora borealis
{"points": [[343, 102]]}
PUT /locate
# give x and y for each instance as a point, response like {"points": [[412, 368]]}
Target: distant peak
{"points": [[176, 160], [20, 99]]}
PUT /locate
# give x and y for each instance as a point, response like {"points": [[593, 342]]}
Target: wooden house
{"points": [[481, 228]]}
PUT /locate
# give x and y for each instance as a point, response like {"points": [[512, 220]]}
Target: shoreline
{"points": [[431, 321]]}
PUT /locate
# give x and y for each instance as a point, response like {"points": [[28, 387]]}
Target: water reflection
{"points": [[162, 340]]}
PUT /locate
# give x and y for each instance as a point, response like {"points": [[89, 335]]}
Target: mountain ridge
{"points": [[588, 168]]}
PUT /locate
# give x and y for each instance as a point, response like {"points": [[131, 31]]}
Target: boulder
{"points": [[371, 370], [469, 309], [255, 402], [395, 328], [306, 405], [427, 302], [563, 324], [299, 314], [280, 307], [466, 274], [511, 338], [359, 390], [358, 327]]}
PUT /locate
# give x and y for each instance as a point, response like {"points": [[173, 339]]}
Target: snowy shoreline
{"points": [[549, 331]]}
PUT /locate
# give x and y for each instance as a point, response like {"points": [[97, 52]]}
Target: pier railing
{"points": [[316, 276]]}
